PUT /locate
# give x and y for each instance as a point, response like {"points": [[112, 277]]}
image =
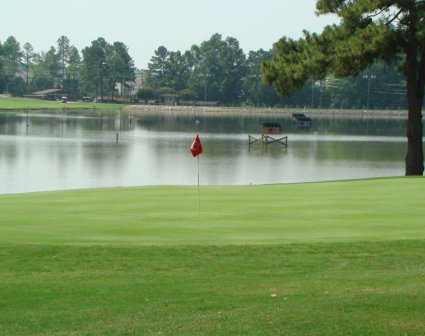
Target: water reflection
{"points": [[57, 150]]}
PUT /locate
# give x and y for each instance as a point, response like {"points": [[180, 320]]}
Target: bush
{"points": [[145, 93], [188, 95], [17, 87]]}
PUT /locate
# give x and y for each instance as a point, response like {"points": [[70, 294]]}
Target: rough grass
{"points": [[339, 258], [310, 289]]}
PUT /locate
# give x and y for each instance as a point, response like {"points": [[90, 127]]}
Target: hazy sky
{"points": [[144, 25]]}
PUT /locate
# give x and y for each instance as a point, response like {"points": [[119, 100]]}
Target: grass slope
{"points": [[141, 261], [13, 103]]}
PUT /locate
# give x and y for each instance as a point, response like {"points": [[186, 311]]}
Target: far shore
{"points": [[12, 104], [262, 111]]}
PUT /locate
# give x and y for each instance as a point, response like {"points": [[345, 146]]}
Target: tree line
{"points": [[93, 72], [217, 70]]}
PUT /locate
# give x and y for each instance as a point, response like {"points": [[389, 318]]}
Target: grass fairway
{"points": [[13, 103], [337, 258]]}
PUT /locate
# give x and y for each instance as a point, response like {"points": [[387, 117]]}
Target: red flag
{"points": [[196, 147]]}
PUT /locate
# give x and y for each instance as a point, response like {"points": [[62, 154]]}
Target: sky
{"points": [[144, 25]]}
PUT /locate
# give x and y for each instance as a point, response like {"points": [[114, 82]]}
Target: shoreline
{"points": [[252, 111]]}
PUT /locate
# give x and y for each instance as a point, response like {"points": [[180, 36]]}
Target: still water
{"points": [[69, 150]]}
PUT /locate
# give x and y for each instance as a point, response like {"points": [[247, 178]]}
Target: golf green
{"points": [[361, 210]]}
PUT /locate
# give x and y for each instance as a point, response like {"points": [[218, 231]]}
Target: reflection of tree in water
{"points": [[252, 124], [360, 126], [351, 151]]}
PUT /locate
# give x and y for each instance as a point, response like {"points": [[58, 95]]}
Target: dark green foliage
{"points": [[63, 53], [188, 95], [165, 90], [369, 31], [17, 86], [95, 68], [71, 88], [216, 69], [45, 71], [146, 93], [104, 65], [255, 90], [2, 75]]}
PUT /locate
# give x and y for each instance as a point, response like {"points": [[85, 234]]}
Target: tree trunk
{"points": [[414, 156], [415, 92]]}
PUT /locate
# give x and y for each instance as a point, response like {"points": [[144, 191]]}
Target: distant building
{"points": [[50, 94], [133, 86], [139, 81], [169, 99]]}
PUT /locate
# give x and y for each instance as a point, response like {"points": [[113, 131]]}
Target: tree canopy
{"points": [[104, 65], [370, 30], [215, 70]]}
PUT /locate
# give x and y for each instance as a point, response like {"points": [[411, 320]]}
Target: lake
{"points": [[41, 151]]}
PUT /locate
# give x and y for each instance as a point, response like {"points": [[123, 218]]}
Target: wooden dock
{"points": [[266, 140], [271, 128]]}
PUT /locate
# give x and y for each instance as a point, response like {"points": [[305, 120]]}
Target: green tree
{"points": [[188, 95], [146, 93], [2, 74], [38, 74], [95, 70], [170, 69], [121, 66], [256, 91], [52, 65], [177, 70], [74, 62], [12, 55], [380, 86], [63, 53], [156, 76], [219, 67], [17, 86], [73, 73], [369, 30], [104, 65], [45, 70], [28, 55]]}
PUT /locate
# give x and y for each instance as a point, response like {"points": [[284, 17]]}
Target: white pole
{"points": [[199, 192]]}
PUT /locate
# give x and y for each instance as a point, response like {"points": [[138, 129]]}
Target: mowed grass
{"points": [[14, 103], [335, 258], [375, 209], [309, 289]]}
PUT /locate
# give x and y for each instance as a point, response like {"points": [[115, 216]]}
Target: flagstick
{"points": [[199, 192]]}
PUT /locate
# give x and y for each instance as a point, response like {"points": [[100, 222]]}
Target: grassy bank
{"points": [[12, 103], [336, 258]]}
